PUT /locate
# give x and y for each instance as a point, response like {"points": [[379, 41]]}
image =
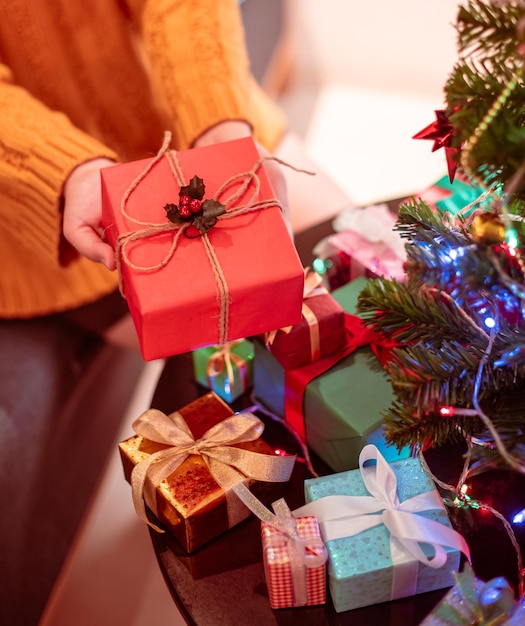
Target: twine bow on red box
{"points": [[248, 179]]}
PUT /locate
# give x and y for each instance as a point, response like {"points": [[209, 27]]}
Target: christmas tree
{"points": [[458, 321]]}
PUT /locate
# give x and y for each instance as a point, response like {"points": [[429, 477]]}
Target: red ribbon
{"points": [[296, 381]]}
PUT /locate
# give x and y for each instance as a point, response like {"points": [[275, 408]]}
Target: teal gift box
{"points": [[458, 196], [342, 407], [225, 369], [362, 550]]}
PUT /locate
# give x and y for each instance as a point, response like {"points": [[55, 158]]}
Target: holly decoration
{"points": [[201, 214]]}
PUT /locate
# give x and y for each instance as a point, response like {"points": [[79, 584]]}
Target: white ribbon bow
{"points": [[344, 516]]}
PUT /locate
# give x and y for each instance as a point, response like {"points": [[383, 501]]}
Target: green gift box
{"points": [[342, 407], [227, 369], [381, 544]]}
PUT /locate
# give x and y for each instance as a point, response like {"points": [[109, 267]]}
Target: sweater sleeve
{"points": [[201, 71], [38, 150]]}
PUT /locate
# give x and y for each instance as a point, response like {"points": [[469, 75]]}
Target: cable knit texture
{"points": [[104, 78]]}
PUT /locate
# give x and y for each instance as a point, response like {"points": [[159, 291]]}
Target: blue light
{"points": [[519, 518], [489, 322]]}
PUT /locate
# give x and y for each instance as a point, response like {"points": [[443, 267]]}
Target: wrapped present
{"points": [[472, 602], [387, 532], [336, 404], [191, 468], [320, 332], [294, 558], [227, 370], [202, 248], [340, 409], [368, 239]]}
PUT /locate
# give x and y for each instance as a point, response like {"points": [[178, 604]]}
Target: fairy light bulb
{"points": [[319, 266], [450, 411], [489, 322], [511, 237]]}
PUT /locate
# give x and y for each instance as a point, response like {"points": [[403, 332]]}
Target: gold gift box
{"points": [[190, 504]]}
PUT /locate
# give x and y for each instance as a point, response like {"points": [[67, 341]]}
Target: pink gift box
{"points": [[179, 305], [368, 259], [278, 566]]}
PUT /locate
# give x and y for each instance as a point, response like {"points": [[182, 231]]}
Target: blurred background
{"points": [[357, 81]]}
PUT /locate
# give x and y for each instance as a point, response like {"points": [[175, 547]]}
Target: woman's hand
{"points": [[82, 221]]}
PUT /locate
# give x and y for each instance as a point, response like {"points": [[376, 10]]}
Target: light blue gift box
{"points": [[360, 567]]}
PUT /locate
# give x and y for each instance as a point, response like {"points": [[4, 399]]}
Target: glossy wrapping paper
{"points": [[189, 503]]}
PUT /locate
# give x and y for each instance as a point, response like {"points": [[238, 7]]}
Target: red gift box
{"points": [[294, 579], [185, 292], [320, 332]]}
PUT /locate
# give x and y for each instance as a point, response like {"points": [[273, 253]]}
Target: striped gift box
{"points": [[278, 565]]}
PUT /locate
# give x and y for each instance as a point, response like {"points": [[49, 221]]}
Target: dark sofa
{"points": [[63, 394]]}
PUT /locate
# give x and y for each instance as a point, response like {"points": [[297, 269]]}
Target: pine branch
{"points": [[408, 316], [489, 29]]}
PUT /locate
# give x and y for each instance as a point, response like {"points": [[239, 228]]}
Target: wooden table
{"points": [[223, 583]]}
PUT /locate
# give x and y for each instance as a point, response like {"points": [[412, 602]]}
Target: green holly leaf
{"points": [[172, 213], [211, 210], [195, 189]]}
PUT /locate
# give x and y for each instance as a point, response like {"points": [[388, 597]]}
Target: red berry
{"points": [[184, 201], [184, 211], [195, 205]]}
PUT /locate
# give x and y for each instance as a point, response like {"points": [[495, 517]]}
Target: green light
{"points": [[511, 237], [319, 266]]}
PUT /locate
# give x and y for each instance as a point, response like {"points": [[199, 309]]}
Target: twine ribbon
{"points": [[229, 466], [148, 230], [224, 358], [345, 516], [312, 287]]}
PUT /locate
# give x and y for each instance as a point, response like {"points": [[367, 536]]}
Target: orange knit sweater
{"points": [[80, 80]]}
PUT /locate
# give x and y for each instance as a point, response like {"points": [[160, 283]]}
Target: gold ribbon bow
{"points": [[222, 358], [229, 466], [312, 288]]}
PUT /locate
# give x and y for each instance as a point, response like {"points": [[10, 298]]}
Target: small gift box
{"points": [[294, 558], [386, 530], [227, 370], [203, 252], [368, 239], [191, 468], [320, 332], [472, 602], [340, 409]]}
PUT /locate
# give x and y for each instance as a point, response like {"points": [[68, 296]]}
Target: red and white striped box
{"points": [[282, 588]]}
